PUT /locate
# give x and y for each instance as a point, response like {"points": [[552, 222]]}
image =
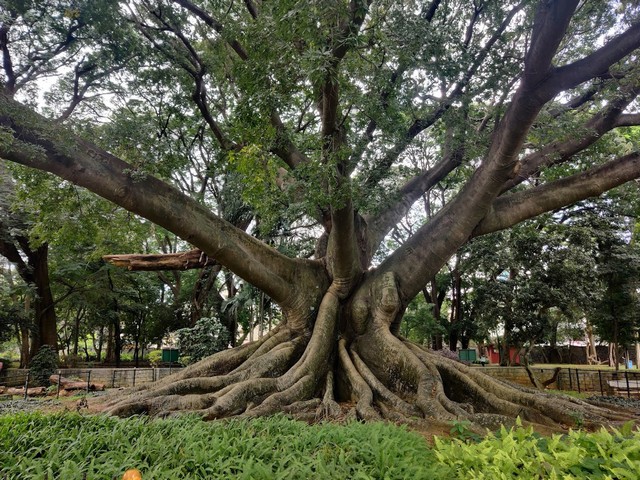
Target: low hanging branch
{"points": [[195, 258]]}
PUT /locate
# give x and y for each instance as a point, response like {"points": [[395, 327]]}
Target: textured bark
{"points": [[168, 261], [312, 374]]}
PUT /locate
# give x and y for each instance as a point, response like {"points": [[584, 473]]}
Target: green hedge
{"points": [[71, 446]]}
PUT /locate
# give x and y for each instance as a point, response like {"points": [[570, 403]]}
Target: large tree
{"points": [[322, 108]]}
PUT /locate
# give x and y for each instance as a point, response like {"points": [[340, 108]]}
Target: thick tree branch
{"points": [[7, 62], [39, 143], [550, 25], [511, 209], [429, 248], [380, 225], [562, 150], [192, 259], [595, 64], [9, 251], [628, 120]]}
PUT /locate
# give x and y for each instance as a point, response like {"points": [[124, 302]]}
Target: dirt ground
{"points": [[96, 403]]}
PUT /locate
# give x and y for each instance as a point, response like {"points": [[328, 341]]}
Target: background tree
{"points": [[534, 276], [314, 107], [615, 317]]}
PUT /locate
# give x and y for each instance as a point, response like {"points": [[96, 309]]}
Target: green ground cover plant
{"points": [[71, 446]]}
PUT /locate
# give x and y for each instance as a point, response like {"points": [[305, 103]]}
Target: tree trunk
{"points": [[45, 332], [348, 351], [456, 307], [592, 354], [24, 346], [339, 336]]}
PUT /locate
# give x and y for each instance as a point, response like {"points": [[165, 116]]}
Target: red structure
{"points": [[493, 353]]}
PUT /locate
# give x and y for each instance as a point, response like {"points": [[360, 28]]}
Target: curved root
{"points": [[384, 376]]}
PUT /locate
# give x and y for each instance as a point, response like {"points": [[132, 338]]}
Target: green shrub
{"points": [[42, 366], [207, 337], [521, 453], [154, 357]]}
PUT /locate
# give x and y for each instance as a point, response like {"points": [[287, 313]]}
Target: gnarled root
{"points": [[380, 375]]}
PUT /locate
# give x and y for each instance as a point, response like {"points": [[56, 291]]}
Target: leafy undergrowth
{"points": [[521, 453], [70, 446]]}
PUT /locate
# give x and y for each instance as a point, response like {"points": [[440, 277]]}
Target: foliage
{"points": [[531, 279], [520, 453], [43, 365], [33, 445], [419, 323], [154, 357], [70, 446], [205, 338], [616, 318]]}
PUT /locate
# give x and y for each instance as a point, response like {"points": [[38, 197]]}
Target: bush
{"points": [[207, 337], [70, 361], [154, 357], [521, 453], [42, 366]]}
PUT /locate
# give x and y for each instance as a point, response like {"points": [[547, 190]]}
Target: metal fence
{"points": [[606, 382], [109, 377], [599, 382], [583, 380]]}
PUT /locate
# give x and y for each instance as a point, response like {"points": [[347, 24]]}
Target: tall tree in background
{"points": [[32, 265], [315, 107]]}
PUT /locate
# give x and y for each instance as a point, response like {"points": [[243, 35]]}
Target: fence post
{"points": [[58, 389], [626, 377], [134, 376], [113, 378], [578, 379], [88, 381], [26, 385], [570, 380], [600, 381]]}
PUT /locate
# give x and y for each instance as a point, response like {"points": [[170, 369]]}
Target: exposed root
{"points": [[305, 375], [328, 408], [386, 396], [505, 399], [360, 391]]}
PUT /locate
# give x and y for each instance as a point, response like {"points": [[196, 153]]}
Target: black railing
{"points": [[605, 382], [91, 379]]}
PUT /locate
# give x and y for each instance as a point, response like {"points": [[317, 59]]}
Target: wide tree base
{"points": [[377, 377]]}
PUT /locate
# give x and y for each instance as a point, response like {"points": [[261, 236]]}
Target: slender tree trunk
{"points": [[24, 346], [456, 307], [592, 354], [76, 331], [110, 353]]}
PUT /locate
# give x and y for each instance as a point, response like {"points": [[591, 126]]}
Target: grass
{"points": [[71, 446]]}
